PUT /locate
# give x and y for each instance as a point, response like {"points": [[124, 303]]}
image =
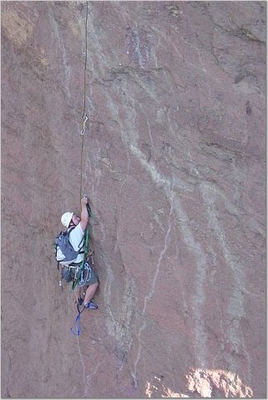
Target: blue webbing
{"points": [[76, 324]]}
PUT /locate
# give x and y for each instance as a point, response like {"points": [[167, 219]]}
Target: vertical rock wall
{"points": [[173, 160]]}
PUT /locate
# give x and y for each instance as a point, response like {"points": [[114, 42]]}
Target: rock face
{"points": [[173, 160]]}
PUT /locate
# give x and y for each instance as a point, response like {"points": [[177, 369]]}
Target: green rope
{"points": [[81, 268]]}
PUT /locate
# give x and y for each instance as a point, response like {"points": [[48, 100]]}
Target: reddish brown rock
{"points": [[173, 159]]}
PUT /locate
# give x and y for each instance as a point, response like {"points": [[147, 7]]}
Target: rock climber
{"points": [[76, 238]]}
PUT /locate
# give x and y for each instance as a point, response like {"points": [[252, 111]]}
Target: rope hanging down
{"points": [[85, 117], [76, 328]]}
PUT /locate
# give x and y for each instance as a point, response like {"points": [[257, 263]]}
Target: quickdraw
{"points": [[82, 132], [84, 275]]}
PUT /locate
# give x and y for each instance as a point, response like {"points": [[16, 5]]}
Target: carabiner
{"points": [[82, 132]]}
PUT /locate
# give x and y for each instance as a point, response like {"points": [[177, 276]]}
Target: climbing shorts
{"points": [[92, 278]]}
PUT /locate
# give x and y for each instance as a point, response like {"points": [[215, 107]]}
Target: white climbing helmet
{"points": [[66, 218]]}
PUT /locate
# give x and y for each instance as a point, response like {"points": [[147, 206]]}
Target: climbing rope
{"points": [[85, 117], [84, 266], [82, 275], [76, 328]]}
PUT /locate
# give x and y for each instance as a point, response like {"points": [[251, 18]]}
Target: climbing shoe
{"points": [[92, 305]]}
